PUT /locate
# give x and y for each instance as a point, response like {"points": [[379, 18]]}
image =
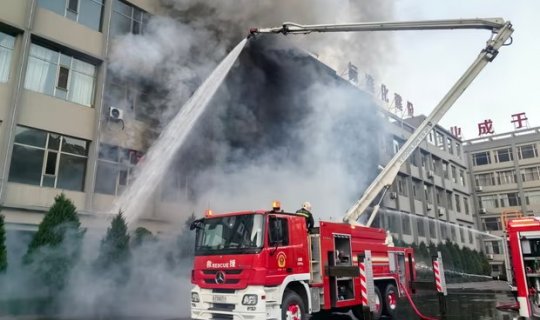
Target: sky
{"points": [[427, 63]]}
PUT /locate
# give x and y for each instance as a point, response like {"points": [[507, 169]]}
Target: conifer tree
{"points": [[55, 247], [114, 249]]}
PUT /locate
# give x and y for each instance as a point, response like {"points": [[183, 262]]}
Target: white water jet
{"points": [[478, 232], [151, 170]]}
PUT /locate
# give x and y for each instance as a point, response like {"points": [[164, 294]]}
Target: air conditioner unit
{"points": [[393, 195], [116, 114], [429, 206], [482, 211], [440, 212], [479, 189], [430, 173], [490, 256]]}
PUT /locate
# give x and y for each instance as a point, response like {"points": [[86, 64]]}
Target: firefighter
{"points": [[305, 212]]}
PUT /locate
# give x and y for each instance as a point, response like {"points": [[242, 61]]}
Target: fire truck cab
{"points": [[265, 265]]}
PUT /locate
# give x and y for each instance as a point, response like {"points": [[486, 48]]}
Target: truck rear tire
{"points": [[391, 297], [358, 312], [292, 307]]}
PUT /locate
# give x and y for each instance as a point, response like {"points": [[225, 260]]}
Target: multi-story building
{"points": [[54, 131], [505, 174], [430, 200]]}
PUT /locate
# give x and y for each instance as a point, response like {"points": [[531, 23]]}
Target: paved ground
{"points": [[495, 286]]}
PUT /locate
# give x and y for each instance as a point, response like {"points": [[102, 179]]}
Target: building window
{"points": [[481, 158], [412, 158], [449, 145], [453, 233], [47, 159], [278, 231], [417, 190], [510, 200], [485, 179], [471, 238], [432, 229], [420, 227], [86, 12], [532, 197], [462, 177], [488, 202], [454, 174], [128, 19], [444, 231], [530, 174], [458, 149], [406, 224], [458, 203], [115, 168], [427, 193], [466, 205], [396, 145], [449, 200], [402, 185], [430, 138], [439, 196], [445, 169], [56, 74], [527, 151], [492, 224], [506, 177], [7, 43], [462, 234], [439, 140], [504, 155], [424, 158]]}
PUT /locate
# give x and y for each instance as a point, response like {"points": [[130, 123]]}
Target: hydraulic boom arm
{"points": [[501, 32]]}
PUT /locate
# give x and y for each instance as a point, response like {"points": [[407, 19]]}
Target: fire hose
{"points": [[418, 313]]}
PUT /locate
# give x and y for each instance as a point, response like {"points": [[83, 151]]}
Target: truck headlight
{"points": [[249, 299], [195, 297]]}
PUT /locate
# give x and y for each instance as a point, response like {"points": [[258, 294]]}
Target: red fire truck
{"points": [[523, 264], [265, 265]]}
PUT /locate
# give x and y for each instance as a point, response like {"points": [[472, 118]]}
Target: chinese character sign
{"points": [[370, 83], [384, 93], [485, 127], [456, 131], [520, 120], [398, 103]]}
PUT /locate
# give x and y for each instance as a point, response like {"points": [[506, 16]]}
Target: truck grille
{"points": [[222, 316], [227, 281], [222, 307]]}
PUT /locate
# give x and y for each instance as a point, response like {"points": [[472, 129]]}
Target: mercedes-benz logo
{"points": [[220, 277]]}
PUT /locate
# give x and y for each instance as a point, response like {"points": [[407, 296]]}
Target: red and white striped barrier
{"points": [[363, 285], [438, 271]]}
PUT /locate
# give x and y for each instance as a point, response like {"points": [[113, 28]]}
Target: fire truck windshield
{"points": [[230, 235]]}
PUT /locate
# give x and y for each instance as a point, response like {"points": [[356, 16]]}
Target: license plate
{"points": [[220, 299]]}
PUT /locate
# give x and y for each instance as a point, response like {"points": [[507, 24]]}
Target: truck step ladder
{"points": [[315, 259]]}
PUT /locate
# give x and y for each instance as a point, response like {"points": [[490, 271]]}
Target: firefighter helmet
{"points": [[307, 206]]}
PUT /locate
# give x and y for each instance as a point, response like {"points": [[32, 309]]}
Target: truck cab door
{"points": [[280, 254]]}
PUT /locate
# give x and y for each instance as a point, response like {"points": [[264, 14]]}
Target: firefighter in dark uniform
{"points": [[305, 212]]}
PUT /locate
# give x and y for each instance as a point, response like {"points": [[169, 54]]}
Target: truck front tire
{"points": [[391, 297], [292, 307]]}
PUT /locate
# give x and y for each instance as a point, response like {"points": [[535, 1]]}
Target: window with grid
{"points": [[527, 151], [128, 19], [116, 168], [7, 42], [485, 179], [48, 159], [530, 174], [86, 12], [511, 199], [466, 205], [481, 158], [60, 75], [532, 197], [489, 201], [406, 224], [492, 224], [462, 233], [420, 227], [504, 155]]}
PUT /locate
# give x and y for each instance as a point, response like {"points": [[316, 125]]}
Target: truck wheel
{"points": [[358, 312], [292, 307], [391, 296]]}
